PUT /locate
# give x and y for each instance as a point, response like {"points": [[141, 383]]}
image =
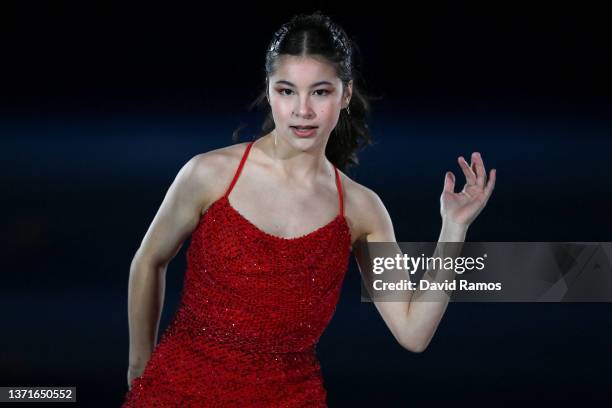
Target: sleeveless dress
{"points": [[252, 309]]}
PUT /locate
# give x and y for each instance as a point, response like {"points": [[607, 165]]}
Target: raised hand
{"points": [[463, 207]]}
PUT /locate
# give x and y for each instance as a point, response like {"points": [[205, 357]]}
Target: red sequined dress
{"points": [[252, 309]]}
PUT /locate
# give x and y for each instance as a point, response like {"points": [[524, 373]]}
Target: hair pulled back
{"points": [[317, 35]]}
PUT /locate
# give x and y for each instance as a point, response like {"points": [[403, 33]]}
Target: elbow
{"points": [[413, 344], [144, 260]]}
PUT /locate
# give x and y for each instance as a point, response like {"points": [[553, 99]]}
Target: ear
{"points": [[348, 92]]}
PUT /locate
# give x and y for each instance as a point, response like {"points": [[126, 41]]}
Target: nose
{"points": [[303, 109]]}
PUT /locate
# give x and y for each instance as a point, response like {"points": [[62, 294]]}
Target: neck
{"points": [[294, 164]]}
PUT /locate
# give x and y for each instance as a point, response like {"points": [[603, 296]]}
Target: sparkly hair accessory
{"points": [[338, 38], [278, 37], [341, 40]]}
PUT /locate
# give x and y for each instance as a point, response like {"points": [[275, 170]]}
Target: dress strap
{"points": [[339, 185], [237, 174]]}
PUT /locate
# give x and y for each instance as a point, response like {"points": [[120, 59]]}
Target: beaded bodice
{"points": [[258, 291]]}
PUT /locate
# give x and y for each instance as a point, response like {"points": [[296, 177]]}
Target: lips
{"points": [[304, 132]]}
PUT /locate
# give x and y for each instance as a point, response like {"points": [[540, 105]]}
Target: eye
{"points": [[281, 91]]}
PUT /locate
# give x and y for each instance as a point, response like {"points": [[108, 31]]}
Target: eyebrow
{"points": [[282, 81]]}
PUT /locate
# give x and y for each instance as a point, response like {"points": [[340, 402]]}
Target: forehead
{"points": [[304, 70]]}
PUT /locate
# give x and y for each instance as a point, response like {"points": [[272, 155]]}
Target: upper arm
{"points": [[179, 212], [376, 226]]}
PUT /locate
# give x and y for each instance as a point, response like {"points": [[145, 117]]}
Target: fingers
{"points": [[470, 176], [475, 172], [479, 168], [490, 184]]}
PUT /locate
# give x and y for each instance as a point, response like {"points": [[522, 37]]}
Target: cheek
{"points": [[329, 115], [280, 109]]}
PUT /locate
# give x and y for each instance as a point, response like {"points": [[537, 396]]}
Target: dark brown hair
{"points": [[316, 34]]}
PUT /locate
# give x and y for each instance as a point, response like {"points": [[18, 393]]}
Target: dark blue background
{"points": [[101, 106]]}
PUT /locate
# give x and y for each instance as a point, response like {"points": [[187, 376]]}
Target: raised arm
{"points": [[413, 323], [176, 218]]}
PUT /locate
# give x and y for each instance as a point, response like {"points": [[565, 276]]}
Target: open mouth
{"points": [[304, 131]]}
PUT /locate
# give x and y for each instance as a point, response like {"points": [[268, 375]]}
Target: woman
{"points": [[272, 224]]}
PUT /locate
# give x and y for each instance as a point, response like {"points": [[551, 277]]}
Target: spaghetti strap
{"points": [[241, 165], [339, 186], [237, 174]]}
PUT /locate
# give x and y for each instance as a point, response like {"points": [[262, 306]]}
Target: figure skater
{"points": [[272, 224]]}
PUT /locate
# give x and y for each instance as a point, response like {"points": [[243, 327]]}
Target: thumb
{"points": [[449, 182]]}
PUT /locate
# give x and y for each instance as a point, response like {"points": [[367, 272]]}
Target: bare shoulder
{"points": [[365, 212], [212, 171], [215, 162]]}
